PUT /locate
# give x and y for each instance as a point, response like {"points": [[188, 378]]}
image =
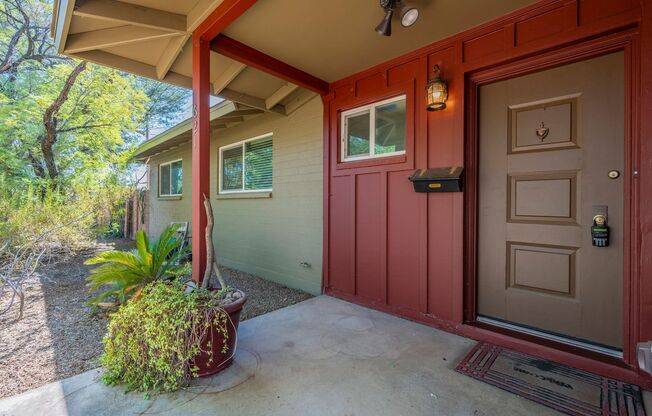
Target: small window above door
{"points": [[374, 130]]}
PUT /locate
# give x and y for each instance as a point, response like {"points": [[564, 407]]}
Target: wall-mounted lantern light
{"points": [[436, 91]]}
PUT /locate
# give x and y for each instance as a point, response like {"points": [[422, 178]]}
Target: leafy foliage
{"points": [[151, 341], [165, 107], [70, 126], [68, 129], [127, 272], [24, 217], [94, 126]]}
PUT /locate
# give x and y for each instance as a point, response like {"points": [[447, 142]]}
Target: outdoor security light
{"points": [[408, 14], [385, 26], [436, 91]]}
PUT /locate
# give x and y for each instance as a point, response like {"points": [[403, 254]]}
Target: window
{"points": [[170, 178], [375, 130], [246, 166]]}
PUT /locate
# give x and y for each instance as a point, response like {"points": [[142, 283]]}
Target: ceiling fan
{"points": [[408, 14]]}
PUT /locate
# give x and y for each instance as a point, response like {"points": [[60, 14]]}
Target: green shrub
{"points": [[151, 340], [26, 218], [127, 272]]}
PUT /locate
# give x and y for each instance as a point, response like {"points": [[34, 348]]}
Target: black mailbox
{"points": [[438, 180]]}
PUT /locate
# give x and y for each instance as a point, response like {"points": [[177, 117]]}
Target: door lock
{"points": [[600, 231]]}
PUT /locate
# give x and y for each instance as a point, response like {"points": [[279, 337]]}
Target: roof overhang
{"points": [[223, 115], [151, 38], [320, 41]]}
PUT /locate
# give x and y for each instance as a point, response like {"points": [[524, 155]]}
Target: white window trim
{"points": [[159, 178], [372, 130], [241, 143]]}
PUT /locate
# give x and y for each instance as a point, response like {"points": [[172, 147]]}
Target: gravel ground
{"points": [[263, 296], [58, 337]]}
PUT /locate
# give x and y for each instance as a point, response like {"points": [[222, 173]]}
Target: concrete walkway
{"points": [[319, 357]]}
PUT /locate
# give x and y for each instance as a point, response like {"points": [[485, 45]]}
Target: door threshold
{"points": [[551, 337]]}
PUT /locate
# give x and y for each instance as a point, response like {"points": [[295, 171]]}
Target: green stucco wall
{"points": [[270, 236]]}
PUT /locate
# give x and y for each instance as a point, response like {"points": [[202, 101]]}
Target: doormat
{"points": [[565, 389]]}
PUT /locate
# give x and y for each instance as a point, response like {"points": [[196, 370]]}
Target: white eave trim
{"points": [[62, 16]]}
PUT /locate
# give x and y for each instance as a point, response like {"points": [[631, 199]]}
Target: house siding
{"points": [[267, 237]]}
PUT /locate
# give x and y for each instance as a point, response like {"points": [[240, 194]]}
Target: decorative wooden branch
{"points": [[211, 264]]}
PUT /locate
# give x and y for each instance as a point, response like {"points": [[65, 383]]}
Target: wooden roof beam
{"points": [[130, 65], [225, 78], [115, 36], [230, 118], [255, 104], [297, 102], [119, 12], [248, 100], [240, 52], [170, 54], [280, 94], [200, 12]]}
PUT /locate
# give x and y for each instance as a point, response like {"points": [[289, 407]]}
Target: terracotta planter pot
{"points": [[220, 361]]}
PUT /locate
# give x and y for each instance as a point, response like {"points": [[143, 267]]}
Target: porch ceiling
{"points": [[151, 38], [336, 38], [328, 40]]}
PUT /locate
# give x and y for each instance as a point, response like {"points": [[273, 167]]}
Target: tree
{"points": [[25, 35], [166, 105], [67, 126], [60, 119], [69, 123]]}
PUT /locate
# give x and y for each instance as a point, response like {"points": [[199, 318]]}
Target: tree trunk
{"points": [[49, 139]]}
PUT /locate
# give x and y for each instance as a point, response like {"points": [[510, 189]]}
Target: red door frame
{"points": [[626, 41]]}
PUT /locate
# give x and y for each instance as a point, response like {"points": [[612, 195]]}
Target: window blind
{"points": [[232, 169], [165, 180], [258, 164]]}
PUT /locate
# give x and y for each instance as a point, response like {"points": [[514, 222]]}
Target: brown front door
{"points": [[550, 159]]}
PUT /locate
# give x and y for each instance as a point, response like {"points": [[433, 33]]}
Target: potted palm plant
{"points": [[125, 273], [167, 329]]}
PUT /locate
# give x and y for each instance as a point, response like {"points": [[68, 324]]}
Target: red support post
{"points": [[200, 152]]}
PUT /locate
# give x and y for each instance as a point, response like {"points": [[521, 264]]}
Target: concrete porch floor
{"points": [[323, 356]]}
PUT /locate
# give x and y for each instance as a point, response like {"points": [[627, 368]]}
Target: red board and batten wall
{"points": [[411, 254]]}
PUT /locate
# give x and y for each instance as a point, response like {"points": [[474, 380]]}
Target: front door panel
{"points": [[551, 157]]}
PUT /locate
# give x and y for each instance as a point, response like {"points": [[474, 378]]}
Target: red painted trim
{"points": [[326, 100], [643, 100], [225, 14], [201, 151], [240, 52]]}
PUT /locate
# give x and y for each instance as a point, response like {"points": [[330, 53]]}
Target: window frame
{"points": [[370, 108], [160, 182], [220, 172]]}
